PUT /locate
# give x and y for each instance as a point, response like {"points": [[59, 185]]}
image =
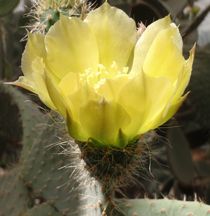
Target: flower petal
{"points": [[75, 99], [71, 47], [169, 99], [158, 93], [176, 100], [24, 83], [169, 112], [33, 68], [111, 88], [128, 91], [63, 106], [164, 57], [115, 33], [144, 42], [81, 97], [103, 121], [132, 99], [69, 84], [40, 87], [185, 75], [34, 49], [56, 96]]}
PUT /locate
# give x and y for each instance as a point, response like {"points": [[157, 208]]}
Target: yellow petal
{"points": [[158, 93], [115, 33], [169, 99], [56, 96], [71, 47], [31, 86], [69, 84], [76, 100], [38, 77], [34, 48], [24, 83], [33, 68], [176, 100], [144, 42], [111, 88], [132, 99], [129, 93], [164, 57], [80, 97], [75, 130], [185, 75], [103, 121], [65, 108], [169, 112]]}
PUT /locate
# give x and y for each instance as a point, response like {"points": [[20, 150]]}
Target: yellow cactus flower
{"points": [[110, 85]]}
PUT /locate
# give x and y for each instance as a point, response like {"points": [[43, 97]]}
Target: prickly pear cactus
{"points": [[42, 172], [46, 13], [14, 195], [37, 178], [56, 176], [46, 180], [43, 210], [138, 207]]}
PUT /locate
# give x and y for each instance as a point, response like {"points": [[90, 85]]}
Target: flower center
{"points": [[96, 78]]}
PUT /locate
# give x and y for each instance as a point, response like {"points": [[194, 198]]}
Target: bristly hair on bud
{"points": [[45, 13]]}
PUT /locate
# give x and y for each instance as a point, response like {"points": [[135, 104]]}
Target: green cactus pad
{"points": [[14, 198], [40, 176], [42, 172], [22, 120], [163, 207], [44, 209]]}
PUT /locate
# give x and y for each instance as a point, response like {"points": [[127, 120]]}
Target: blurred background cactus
{"points": [[33, 180], [46, 12], [7, 6], [12, 20]]}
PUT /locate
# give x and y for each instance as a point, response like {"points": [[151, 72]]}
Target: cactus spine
{"points": [[46, 13]]}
